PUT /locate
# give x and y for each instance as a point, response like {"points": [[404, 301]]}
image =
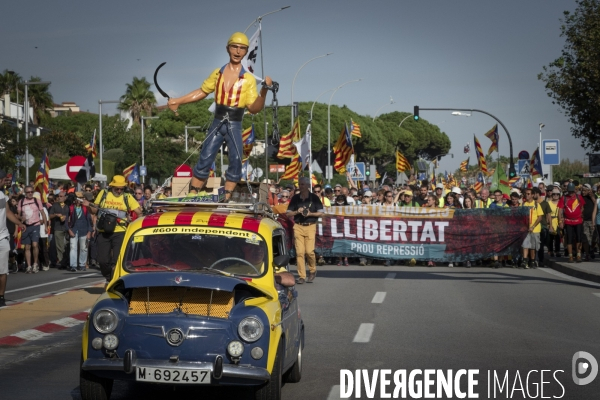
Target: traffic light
{"points": [[511, 170], [416, 113], [368, 171]]}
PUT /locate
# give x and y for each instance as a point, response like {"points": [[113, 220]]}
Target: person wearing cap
{"points": [[5, 214], [235, 91], [80, 232], [407, 199], [439, 193], [553, 242], [570, 217], [115, 201], [589, 220]]}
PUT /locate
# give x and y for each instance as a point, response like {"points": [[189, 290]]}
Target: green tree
{"points": [[40, 99], [138, 99], [573, 79], [12, 83], [568, 169]]}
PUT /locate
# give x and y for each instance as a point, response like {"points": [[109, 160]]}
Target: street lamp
{"points": [[143, 163], [405, 118], [314, 102], [26, 102], [100, 147], [390, 103], [460, 114], [329, 172], [294, 81]]}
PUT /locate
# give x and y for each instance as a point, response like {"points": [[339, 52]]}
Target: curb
{"points": [[573, 271], [44, 330]]}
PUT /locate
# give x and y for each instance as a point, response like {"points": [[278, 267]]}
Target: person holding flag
{"points": [[235, 90]]}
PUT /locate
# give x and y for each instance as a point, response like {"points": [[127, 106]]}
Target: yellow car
{"points": [[193, 301]]}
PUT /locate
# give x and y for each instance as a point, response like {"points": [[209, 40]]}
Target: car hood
{"points": [[185, 279]]}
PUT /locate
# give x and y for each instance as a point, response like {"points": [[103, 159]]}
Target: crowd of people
{"points": [[561, 213]]}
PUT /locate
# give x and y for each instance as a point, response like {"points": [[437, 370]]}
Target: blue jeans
{"points": [[229, 132], [82, 251]]}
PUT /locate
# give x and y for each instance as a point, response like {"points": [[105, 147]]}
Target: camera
{"points": [[305, 212]]}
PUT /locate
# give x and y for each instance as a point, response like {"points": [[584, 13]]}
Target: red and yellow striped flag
{"points": [[292, 171], [480, 156], [41, 178], [401, 162], [286, 144], [464, 166], [343, 150], [355, 129], [492, 134]]}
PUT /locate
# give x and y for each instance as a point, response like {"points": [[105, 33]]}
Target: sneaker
{"points": [[72, 269], [468, 264], [36, 268], [321, 261], [387, 263], [300, 281], [362, 263], [570, 259], [311, 277], [496, 265], [346, 263], [524, 265], [45, 267], [534, 264], [340, 263], [578, 258], [450, 265], [28, 270]]}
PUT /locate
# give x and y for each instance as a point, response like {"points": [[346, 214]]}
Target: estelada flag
{"points": [[401, 162], [92, 146], [286, 144], [480, 156], [354, 129], [343, 149], [464, 166], [41, 178], [492, 134], [293, 169], [127, 171]]}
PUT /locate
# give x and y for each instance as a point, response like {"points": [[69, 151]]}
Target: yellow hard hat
{"points": [[238, 38]]}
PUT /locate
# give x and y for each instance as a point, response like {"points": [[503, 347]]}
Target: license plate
{"points": [[172, 375]]}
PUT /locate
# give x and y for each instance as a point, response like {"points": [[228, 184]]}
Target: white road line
{"points": [[50, 283], [334, 393], [364, 333], [391, 275], [379, 297], [596, 294], [30, 334], [564, 276], [32, 300], [67, 322], [59, 293]]}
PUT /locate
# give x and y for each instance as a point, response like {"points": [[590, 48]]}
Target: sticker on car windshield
{"points": [[253, 239]]}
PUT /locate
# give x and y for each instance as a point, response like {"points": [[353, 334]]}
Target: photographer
{"points": [[305, 208], [112, 222]]}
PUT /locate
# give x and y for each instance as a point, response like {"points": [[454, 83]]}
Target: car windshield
{"points": [[196, 249]]}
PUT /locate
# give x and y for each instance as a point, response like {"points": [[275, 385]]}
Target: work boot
{"points": [[311, 277], [300, 281]]}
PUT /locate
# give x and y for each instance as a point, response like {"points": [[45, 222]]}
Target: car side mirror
{"points": [[282, 260]]}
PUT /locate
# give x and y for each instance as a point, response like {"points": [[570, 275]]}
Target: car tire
{"points": [[272, 389], [295, 373], [92, 387]]}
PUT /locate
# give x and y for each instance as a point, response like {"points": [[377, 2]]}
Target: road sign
{"points": [[357, 172], [183, 171], [523, 168], [551, 152], [257, 173], [143, 170], [276, 168], [74, 165]]}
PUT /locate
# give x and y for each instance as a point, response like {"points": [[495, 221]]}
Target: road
{"points": [[389, 318]]}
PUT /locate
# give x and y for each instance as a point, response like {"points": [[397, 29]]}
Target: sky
{"points": [[468, 54]]}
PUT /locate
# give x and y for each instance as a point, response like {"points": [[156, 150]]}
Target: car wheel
{"points": [[272, 389], [295, 373], [93, 387]]}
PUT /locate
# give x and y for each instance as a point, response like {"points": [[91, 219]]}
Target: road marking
{"points": [[334, 393], [59, 293], [364, 333], [391, 275], [32, 300], [564, 276], [30, 334], [50, 283], [67, 322], [596, 294], [379, 297]]}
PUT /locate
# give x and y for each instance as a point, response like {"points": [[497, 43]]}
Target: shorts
{"points": [[4, 255], [573, 233], [532, 241], [588, 230], [31, 235]]}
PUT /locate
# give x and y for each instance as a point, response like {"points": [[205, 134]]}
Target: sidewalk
{"points": [[589, 271]]}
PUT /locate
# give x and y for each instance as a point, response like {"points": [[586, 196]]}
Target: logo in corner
{"points": [[584, 363], [179, 279]]}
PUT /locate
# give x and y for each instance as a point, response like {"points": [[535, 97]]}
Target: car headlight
{"points": [[110, 342], [235, 348], [105, 321], [250, 329]]}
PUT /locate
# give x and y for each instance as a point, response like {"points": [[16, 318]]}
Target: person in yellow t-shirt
{"points": [[114, 201], [235, 91], [554, 236], [532, 242]]}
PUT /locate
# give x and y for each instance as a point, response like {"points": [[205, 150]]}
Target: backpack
{"points": [[108, 222], [72, 213], [35, 201]]}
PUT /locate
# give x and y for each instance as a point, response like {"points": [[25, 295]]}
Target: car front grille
{"points": [[194, 301]]}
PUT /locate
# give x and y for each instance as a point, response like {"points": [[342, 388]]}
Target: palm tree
{"points": [[11, 82], [138, 99], [40, 99]]}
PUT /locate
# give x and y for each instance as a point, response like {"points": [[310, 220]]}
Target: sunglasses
{"points": [[285, 197], [88, 190], [118, 189], [317, 191], [29, 192], [139, 193]]}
